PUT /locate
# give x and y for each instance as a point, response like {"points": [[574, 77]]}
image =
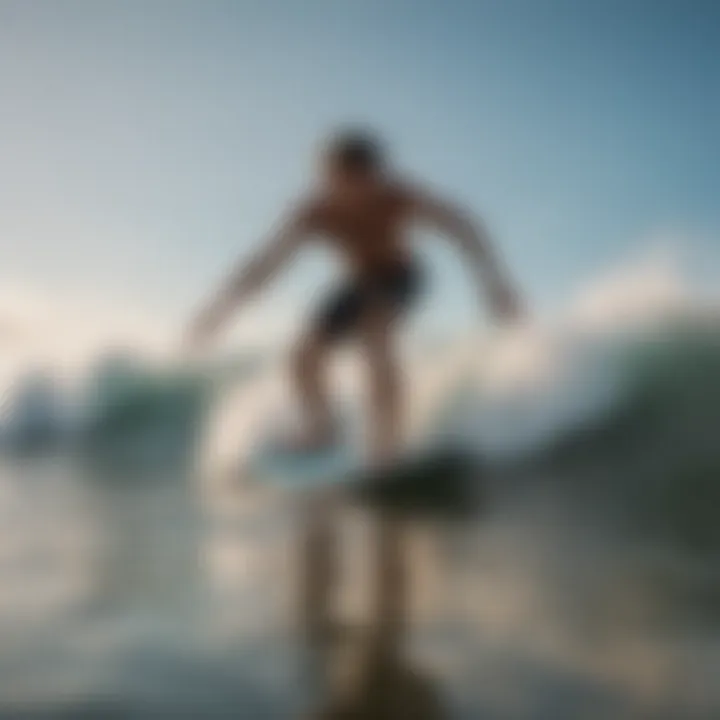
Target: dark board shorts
{"points": [[394, 288]]}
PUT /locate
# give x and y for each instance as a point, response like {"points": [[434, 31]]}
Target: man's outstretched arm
{"points": [[475, 243], [251, 276]]}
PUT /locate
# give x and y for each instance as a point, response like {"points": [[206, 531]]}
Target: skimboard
{"points": [[272, 460], [437, 483], [270, 463], [441, 482]]}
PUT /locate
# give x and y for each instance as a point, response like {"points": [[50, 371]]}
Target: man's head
{"points": [[353, 159]]}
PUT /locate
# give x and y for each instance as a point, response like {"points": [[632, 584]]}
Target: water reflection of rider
{"points": [[385, 687]]}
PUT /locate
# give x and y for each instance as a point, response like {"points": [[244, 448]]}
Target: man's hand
{"points": [[202, 329], [506, 304]]}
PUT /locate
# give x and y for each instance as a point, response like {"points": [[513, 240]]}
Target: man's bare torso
{"points": [[368, 232]]}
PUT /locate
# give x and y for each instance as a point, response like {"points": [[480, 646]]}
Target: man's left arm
{"points": [[475, 243]]}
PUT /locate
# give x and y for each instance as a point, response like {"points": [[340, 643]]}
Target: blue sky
{"points": [[145, 144]]}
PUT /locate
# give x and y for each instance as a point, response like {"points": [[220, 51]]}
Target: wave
{"points": [[630, 414], [655, 451], [123, 403]]}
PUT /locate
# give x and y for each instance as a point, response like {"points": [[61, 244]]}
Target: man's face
{"points": [[342, 182]]}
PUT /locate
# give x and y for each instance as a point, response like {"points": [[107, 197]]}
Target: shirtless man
{"points": [[364, 213]]}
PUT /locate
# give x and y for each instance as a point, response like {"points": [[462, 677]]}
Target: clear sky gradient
{"points": [[144, 144]]}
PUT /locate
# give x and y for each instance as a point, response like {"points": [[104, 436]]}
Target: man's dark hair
{"points": [[357, 151]]}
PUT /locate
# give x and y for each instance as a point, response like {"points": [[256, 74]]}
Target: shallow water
{"points": [[135, 587], [153, 594]]}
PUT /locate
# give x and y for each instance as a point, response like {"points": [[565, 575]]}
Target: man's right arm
{"points": [[250, 277]]}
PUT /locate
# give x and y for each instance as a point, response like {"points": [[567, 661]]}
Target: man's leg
{"points": [[384, 416], [309, 375], [384, 434], [318, 543]]}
